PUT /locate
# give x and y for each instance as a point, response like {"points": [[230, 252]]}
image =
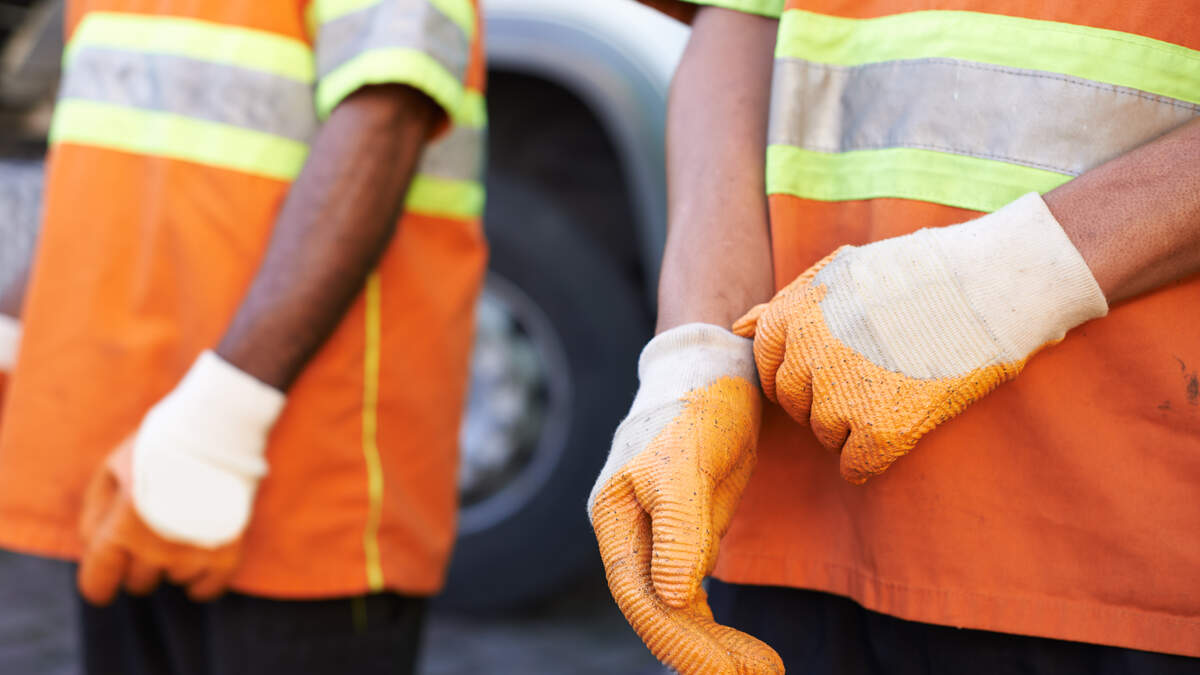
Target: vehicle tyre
{"points": [[527, 534]]}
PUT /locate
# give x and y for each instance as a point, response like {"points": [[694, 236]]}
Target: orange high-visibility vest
{"points": [[179, 128], [1064, 504]]}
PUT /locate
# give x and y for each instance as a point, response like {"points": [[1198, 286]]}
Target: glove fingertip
{"points": [[748, 323], [98, 579], [864, 457]]}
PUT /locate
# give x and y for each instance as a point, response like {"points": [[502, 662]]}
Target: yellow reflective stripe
{"points": [[370, 431], [473, 112], [905, 173], [460, 12], [395, 66], [201, 40], [162, 134], [435, 196], [768, 8], [1095, 54], [322, 11]]}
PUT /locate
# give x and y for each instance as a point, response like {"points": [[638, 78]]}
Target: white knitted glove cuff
{"points": [[672, 364], [1022, 274], [942, 302], [199, 453], [10, 338]]}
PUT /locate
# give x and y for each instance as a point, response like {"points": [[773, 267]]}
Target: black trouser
{"points": [[167, 634], [818, 633]]}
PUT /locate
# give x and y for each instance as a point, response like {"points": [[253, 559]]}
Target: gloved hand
{"points": [[875, 346], [10, 338], [667, 493], [174, 500]]}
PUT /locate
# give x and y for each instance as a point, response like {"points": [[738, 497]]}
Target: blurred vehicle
{"points": [[576, 222]]}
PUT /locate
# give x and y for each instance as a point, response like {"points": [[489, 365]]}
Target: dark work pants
{"points": [[818, 634], [166, 634]]}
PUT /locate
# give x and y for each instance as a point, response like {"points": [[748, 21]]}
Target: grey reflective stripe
{"points": [[1033, 118], [215, 92], [457, 156], [413, 24]]}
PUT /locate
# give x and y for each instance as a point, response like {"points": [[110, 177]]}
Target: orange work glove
{"points": [[121, 551], [667, 494], [173, 502], [875, 346]]}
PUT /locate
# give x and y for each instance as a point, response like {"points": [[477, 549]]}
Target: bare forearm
{"points": [[337, 219], [1136, 219], [717, 261]]}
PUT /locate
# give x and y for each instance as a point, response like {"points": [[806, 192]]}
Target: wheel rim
{"points": [[514, 429]]}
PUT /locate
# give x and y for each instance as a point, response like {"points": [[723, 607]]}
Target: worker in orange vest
{"points": [[923, 203], [246, 334]]}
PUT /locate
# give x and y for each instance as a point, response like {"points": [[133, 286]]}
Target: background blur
{"points": [[576, 223]]}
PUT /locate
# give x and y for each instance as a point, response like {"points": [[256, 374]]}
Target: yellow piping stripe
{"points": [[370, 422], [173, 136], [192, 38]]}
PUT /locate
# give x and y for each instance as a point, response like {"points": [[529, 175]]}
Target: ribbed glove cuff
{"points": [[1021, 273], [675, 362], [945, 301], [219, 403]]}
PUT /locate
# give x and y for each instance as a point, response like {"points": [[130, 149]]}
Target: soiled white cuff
{"points": [[10, 338], [944, 301], [1021, 273], [675, 362]]}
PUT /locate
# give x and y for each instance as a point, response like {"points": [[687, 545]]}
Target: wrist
{"points": [[10, 339], [1022, 274], [940, 302], [232, 411], [689, 357]]}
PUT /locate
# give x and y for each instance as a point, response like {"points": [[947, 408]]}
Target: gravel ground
{"points": [[580, 632]]}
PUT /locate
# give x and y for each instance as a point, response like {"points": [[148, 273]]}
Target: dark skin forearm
{"points": [[717, 261], [338, 217], [1136, 219]]}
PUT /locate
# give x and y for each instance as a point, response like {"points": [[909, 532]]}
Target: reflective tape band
{"points": [[202, 40], [168, 135], [217, 92], [473, 112], [434, 196], [458, 155], [391, 66], [905, 173], [1096, 54], [1042, 120], [461, 12], [404, 24], [768, 8]]}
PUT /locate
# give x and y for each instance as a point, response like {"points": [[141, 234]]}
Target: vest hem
{"points": [[1091, 621]]}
